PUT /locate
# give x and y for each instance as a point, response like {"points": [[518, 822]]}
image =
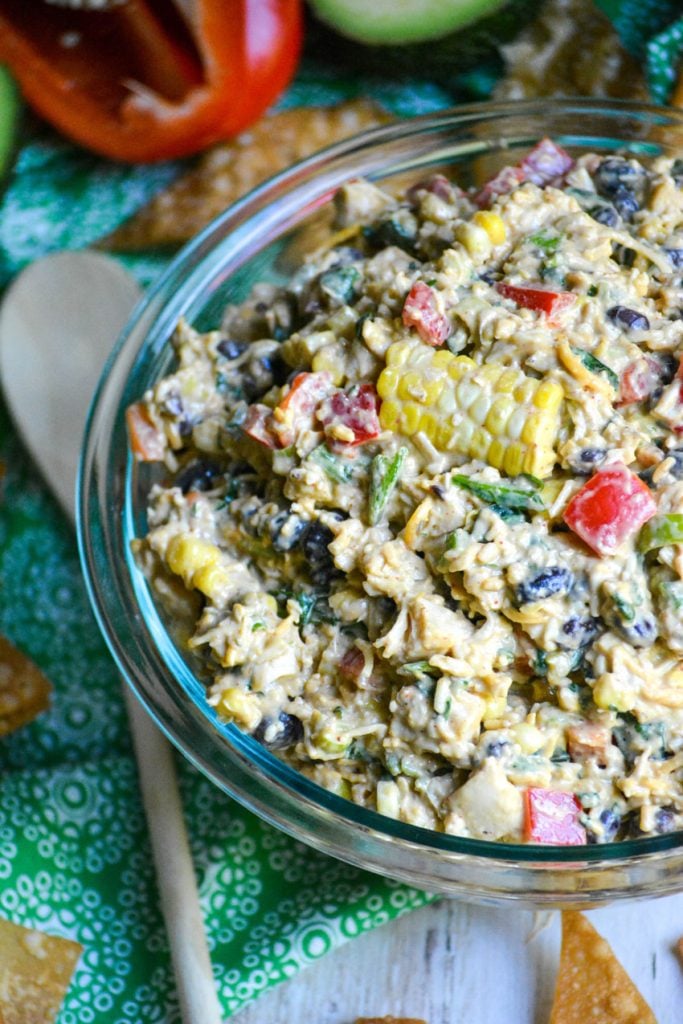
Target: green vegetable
{"points": [[418, 668], [336, 468], [501, 494], [384, 475], [595, 366], [401, 21], [341, 284], [548, 243], [389, 232], [625, 609], [10, 109], [662, 530]]}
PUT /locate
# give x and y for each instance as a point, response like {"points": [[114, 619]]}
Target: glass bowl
{"points": [[262, 238]]}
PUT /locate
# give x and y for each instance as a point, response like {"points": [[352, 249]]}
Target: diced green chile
{"points": [[501, 494], [336, 468], [594, 365], [660, 531], [384, 475], [340, 284]]}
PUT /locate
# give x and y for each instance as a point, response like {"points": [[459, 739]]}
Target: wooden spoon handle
{"points": [[174, 869]]}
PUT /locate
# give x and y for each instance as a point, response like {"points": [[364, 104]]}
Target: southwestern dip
{"points": [[422, 507]]}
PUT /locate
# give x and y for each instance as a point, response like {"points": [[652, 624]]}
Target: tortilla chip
{"points": [[35, 971], [24, 690], [591, 983], [231, 169]]}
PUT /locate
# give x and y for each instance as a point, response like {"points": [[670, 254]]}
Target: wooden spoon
{"points": [[58, 322]]}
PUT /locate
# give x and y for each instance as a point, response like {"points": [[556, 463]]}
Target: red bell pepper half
{"points": [[541, 299], [610, 508], [421, 311], [639, 380], [356, 411], [258, 425], [151, 79], [551, 817]]}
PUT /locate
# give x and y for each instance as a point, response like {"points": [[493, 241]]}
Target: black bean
{"points": [[610, 821], [605, 214], [665, 820], [490, 277], [496, 748], [198, 476], [676, 257], [278, 369], [677, 172], [587, 459], [340, 284], [629, 318], [288, 732], [438, 491], [286, 530], [582, 630], [615, 173], [623, 255], [230, 348], [554, 580], [315, 541], [625, 203], [641, 631]]}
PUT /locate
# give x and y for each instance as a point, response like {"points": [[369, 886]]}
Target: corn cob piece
{"points": [[493, 413]]}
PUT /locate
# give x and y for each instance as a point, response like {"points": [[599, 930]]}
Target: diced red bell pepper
{"points": [[438, 185], [552, 817], [356, 411], [541, 299], [147, 442], [610, 509], [259, 425], [639, 379], [421, 311], [505, 181], [546, 162], [295, 411]]}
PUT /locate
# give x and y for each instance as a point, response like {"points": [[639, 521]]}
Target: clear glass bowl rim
{"points": [[102, 534]]}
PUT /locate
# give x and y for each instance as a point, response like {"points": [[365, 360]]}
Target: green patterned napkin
{"points": [[74, 855], [652, 30]]}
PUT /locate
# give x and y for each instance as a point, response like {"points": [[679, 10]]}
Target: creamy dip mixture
{"points": [[424, 504]]}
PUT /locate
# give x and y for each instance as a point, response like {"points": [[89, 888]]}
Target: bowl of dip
{"points": [[381, 501]]}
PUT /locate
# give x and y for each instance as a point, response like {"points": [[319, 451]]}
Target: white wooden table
{"points": [[451, 963]]}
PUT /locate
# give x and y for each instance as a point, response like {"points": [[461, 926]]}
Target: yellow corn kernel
{"points": [[388, 798], [532, 428], [480, 443], [548, 395], [475, 239], [330, 358], [211, 580], [185, 554], [410, 421], [397, 354], [388, 383], [514, 459], [499, 414], [442, 358], [608, 694], [428, 425], [492, 224], [390, 414], [459, 367], [496, 453], [480, 408], [242, 707], [411, 385], [508, 381], [529, 738]]}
